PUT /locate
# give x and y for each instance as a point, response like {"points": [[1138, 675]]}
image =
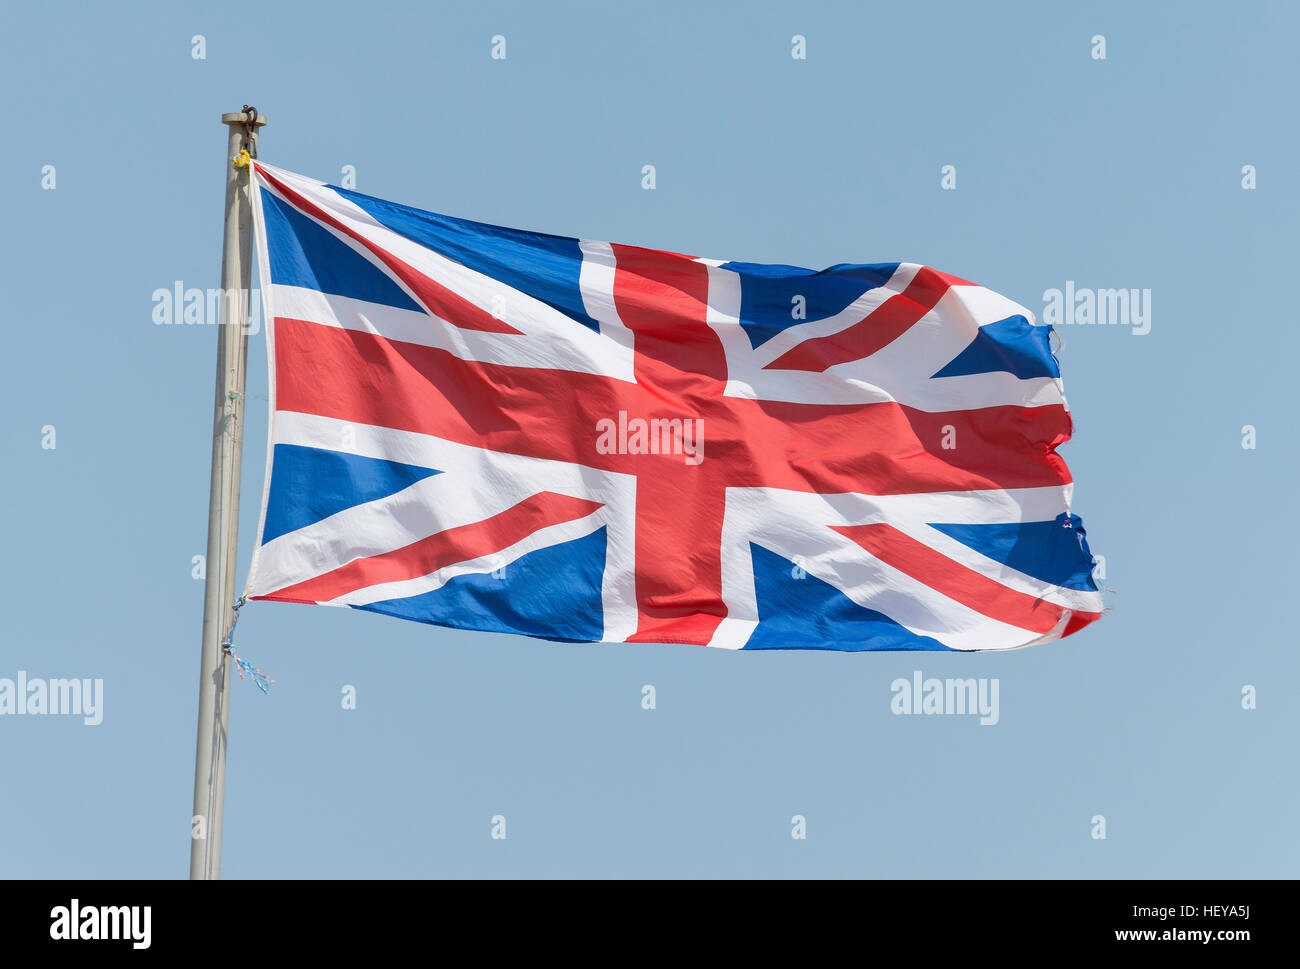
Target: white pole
{"points": [[223, 503]]}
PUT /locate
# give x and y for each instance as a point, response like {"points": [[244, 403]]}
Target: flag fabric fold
{"points": [[492, 429]]}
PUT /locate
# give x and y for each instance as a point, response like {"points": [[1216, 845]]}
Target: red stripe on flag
{"points": [[1078, 621], [444, 548], [355, 376], [879, 448], [663, 298], [948, 576], [437, 299], [876, 330]]}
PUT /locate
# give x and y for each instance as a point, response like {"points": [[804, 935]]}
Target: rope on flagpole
{"points": [[243, 666], [250, 115], [249, 151]]}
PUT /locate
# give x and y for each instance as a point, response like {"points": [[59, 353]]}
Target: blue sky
{"points": [[1123, 172]]}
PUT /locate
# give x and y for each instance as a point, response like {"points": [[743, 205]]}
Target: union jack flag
{"points": [[493, 429]]}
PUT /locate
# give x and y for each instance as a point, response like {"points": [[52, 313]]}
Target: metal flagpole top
{"points": [[242, 117], [250, 121]]}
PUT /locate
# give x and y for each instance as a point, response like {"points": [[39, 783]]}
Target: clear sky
{"points": [[1123, 172]]}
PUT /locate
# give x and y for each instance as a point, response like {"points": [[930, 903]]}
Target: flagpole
{"points": [[223, 501]]}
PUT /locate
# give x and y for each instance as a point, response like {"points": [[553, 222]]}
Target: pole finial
{"points": [[249, 120]]}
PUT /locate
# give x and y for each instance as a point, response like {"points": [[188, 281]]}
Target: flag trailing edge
{"points": [[492, 429]]}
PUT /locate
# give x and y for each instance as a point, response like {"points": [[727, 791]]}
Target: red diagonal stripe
{"points": [[948, 576], [459, 544], [876, 330], [438, 299]]}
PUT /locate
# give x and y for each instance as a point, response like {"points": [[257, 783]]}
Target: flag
{"points": [[493, 429]]}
